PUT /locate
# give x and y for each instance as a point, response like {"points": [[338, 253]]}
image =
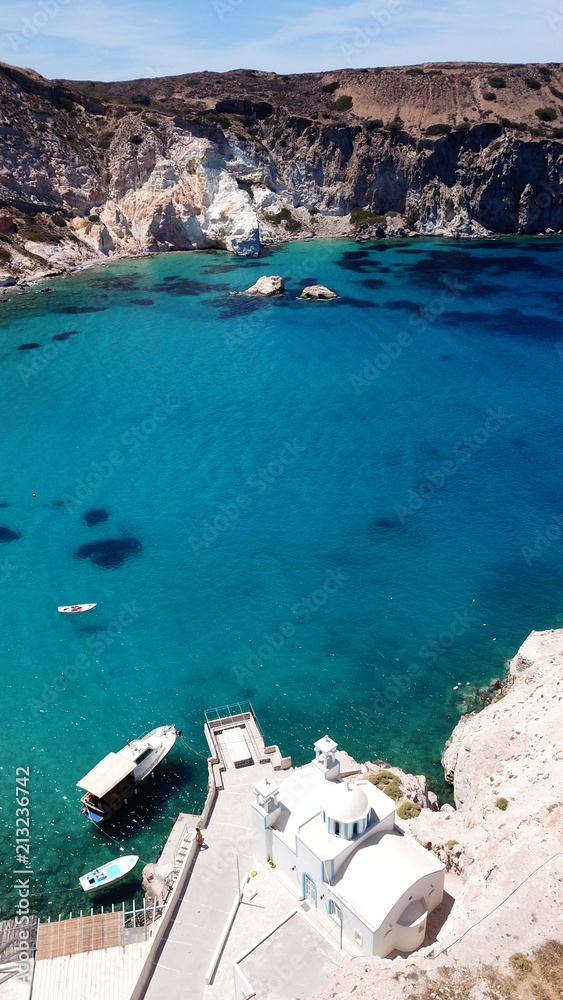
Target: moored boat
{"points": [[107, 874], [74, 609], [111, 783]]}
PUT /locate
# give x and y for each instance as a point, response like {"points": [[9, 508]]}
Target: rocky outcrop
{"points": [[502, 844], [244, 159], [267, 285], [317, 292]]}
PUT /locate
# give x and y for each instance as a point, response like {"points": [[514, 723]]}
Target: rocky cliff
{"points": [[503, 847], [237, 160]]}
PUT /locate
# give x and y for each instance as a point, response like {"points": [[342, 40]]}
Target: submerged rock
{"points": [[96, 516], [6, 280], [110, 552], [7, 535], [267, 285], [317, 292]]}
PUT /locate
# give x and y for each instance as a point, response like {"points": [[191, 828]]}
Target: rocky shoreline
{"points": [[94, 171], [502, 844]]}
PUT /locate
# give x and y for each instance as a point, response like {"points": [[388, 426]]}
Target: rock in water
{"points": [[267, 285], [317, 292]]}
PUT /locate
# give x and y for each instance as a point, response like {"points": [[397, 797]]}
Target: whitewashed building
{"points": [[336, 845]]}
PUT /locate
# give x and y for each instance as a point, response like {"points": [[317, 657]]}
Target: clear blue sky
{"points": [[126, 39]]}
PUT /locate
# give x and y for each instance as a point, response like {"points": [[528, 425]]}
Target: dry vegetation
{"points": [[538, 976]]}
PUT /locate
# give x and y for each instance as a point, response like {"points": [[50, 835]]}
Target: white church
{"points": [[336, 845]]}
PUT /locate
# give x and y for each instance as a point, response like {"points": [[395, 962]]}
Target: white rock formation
{"points": [[267, 285], [317, 292]]}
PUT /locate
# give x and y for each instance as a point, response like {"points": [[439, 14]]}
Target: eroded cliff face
{"points": [[243, 159]]}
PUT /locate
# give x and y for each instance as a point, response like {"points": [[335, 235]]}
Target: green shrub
{"points": [[415, 71], [41, 127], [439, 129], [505, 122], [556, 93], [384, 780], [408, 810], [104, 144], [247, 120], [93, 218], [284, 215], [520, 962], [344, 103], [373, 123], [141, 99], [5, 254], [545, 72], [58, 220], [450, 844], [498, 82], [557, 133], [136, 139], [329, 88], [489, 96], [501, 804], [494, 146], [152, 122], [532, 84], [546, 114], [313, 211], [462, 126], [395, 125], [66, 104], [283, 143]]}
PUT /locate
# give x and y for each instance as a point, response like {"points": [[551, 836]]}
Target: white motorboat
{"points": [[107, 874], [116, 778], [75, 609]]}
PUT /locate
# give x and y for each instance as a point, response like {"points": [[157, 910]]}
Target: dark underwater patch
{"points": [[143, 302], [4, 503], [186, 286], [95, 516], [399, 304], [409, 250], [386, 523], [7, 535], [28, 347], [65, 335], [510, 323], [439, 265], [356, 260], [172, 277], [117, 283], [110, 553], [373, 283], [76, 310], [244, 305]]}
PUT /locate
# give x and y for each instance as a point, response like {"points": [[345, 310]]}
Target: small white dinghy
{"points": [[107, 874], [75, 609]]}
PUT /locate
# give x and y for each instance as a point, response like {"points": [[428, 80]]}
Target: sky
{"points": [[129, 39]]}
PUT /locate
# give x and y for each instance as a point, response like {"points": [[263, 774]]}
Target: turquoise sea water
{"points": [[339, 511]]}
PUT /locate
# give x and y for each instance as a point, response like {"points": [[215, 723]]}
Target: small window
{"points": [[337, 828], [357, 937], [355, 830]]}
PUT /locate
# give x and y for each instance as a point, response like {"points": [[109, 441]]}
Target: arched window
{"points": [[355, 830], [337, 828]]}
